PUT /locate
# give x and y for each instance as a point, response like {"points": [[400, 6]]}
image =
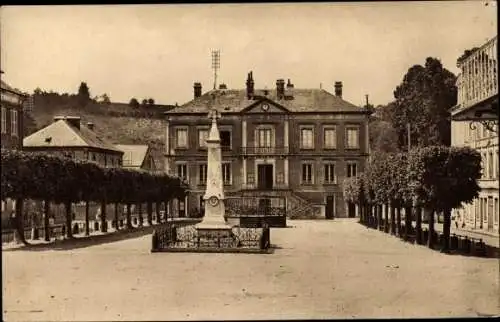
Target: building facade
{"points": [[475, 124], [138, 157], [296, 143], [11, 118], [67, 137]]}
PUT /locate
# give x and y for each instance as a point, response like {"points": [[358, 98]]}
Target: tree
{"points": [[444, 178], [83, 94], [151, 101], [423, 100], [144, 102], [134, 102], [105, 99]]}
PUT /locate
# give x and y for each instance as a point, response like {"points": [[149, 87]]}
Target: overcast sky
{"points": [[160, 50]]}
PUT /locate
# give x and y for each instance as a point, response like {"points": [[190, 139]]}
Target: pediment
{"points": [[265, 106]]}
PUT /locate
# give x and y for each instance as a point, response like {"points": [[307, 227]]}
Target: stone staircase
{"points": [[299, 207]]}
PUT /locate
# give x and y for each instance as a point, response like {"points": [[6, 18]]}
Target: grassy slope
{"points": [[121, 127]]}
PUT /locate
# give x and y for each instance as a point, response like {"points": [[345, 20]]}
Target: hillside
{"points": [[116, 122]]}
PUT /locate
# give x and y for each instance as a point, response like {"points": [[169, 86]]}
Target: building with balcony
{"points": [[67, 137], [290, 142], [475, 124]]}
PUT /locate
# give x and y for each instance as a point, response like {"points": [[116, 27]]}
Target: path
{"points": [[324, 269]]}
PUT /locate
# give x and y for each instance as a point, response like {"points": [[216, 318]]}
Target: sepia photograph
{"points": [[250, 161]]}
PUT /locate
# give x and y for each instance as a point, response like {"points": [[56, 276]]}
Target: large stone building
{"points": [[475, 124], [291, 142]]}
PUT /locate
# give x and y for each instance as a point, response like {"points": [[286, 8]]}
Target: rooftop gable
{"points": [[133, 155], [61, 134]]}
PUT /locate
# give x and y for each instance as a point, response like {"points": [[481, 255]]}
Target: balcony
{"points": [[254, 150], [478, 84]]}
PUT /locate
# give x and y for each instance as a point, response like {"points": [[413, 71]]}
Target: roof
{"points": [[62, 134], [133, 155], [9, 88], [235, 101]]}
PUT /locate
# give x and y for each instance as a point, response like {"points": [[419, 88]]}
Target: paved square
{"points": [[323, 269]]}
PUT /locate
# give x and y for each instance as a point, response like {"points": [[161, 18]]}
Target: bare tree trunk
{"points": [[87, 221], [393, 218], [46, 222], [418, 224], [150, 213], [378, 209], [129, 216], [408, 221], [139, 210], [430, 240], [69, 219], [398, 220], [158, 215], [446, 230], [19, 222], [104, 222], [117, 226]]}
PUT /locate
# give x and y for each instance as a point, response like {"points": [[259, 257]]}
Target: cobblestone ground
{"points": [[322, 269]]}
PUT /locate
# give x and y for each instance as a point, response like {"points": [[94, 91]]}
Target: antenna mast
{"points": [[215, 65]]}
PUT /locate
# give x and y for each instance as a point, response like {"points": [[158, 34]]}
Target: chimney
{"points": [[250, 85], [289, 90], [222, 86], [73, 120], [90, 126], [280, 88], [197, 90], [338, 89]]}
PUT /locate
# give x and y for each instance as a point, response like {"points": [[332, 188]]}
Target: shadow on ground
{"points": [[82, 242]]}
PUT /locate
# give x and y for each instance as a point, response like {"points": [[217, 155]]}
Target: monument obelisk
{"points": [[214, 193]]}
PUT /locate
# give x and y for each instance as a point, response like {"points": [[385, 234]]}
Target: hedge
{"points": [[45, 177]]}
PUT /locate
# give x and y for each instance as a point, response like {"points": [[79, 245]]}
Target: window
{"points": [[307, 138], [329, 138], [496, 164], [226, 173], [182, 171], [202, 138], [496, 210], [352, 169], [352, 135], [225, 139], [307, 173], [181, 138], [182, 208], [491, 175], [93, 157], [264, 138], [13, 119], [4, 120], [202, 174], [329, 173]]}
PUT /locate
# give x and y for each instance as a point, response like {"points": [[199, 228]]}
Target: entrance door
{"points": [[265, 176], [329, 211], [351, 210]]}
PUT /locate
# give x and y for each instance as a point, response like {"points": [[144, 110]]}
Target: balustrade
{"points": [[479, 78]]}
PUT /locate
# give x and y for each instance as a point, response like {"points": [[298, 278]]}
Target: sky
{"points": [[159, 51]]}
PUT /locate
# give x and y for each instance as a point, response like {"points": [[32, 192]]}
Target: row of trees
{"points": [[145, 102], [64, 181], [434, 179]]}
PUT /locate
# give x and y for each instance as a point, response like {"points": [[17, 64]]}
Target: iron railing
{"points": [[173, 236], [255, 206], [479, 78]]}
